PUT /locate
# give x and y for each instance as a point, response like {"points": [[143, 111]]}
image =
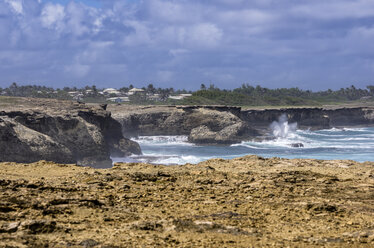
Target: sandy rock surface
{"points": [[245, 202]]}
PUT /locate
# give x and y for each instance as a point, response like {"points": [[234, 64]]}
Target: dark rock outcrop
{"points": [[314, 118], [203, 124], [173, 120], [311, 118], [63, 132], [229, 135], [297, 145]]}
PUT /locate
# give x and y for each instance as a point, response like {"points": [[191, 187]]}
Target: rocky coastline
{"points": [[228, 125], [244, 202], [89, 134], [62, 132]]}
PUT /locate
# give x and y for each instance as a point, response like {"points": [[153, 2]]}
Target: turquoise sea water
{"points": [[347, 143]]}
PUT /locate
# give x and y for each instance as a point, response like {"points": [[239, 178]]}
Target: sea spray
{"points": [[281, 128], [353, 143]]}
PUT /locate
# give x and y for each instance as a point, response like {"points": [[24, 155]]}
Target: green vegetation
{"points": [[246, 95]]}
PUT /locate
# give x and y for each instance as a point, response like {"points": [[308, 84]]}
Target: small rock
{"points": [[103, 106], [9, 227], [89, 243], [297, 145]]}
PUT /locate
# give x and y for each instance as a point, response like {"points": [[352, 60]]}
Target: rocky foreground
{"points": [[245, 202]]}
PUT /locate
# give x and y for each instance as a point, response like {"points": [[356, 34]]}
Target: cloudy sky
{"points": [[314, 45]]}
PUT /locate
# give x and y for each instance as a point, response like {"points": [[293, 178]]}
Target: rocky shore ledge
{"points": [[245, 202], [61, 131]]}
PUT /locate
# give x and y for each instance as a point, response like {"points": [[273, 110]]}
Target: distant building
{"points": [[110, 91], [78, 97], [73, 93], [185, 95], [134, 91], [154, 97], [180, 96], [118, 99]]}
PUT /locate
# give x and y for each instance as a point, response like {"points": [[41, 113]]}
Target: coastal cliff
{"points": [[228, 125], [61, 131], [244, 202], [312, 118], [203, 124]]}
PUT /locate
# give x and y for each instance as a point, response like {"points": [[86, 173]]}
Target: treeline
{"points": [[248, 95], [34, 91], [48, 92]]}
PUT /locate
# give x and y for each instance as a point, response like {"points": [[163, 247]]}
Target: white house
{"points": [[118, 99], [135, 91], [110, 91], [180, 96]]}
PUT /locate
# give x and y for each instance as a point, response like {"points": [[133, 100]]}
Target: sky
{"points": [[313, 45]]}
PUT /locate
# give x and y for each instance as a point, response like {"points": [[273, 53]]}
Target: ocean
{"points": [[336, 143], [345, 143]]}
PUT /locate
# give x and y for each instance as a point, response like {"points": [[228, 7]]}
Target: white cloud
{"points": [[227, 41], [16, 5], [165, 76], [335, 9], [52, 16], [141, 35], [77, 16], [77, 70], [204, 34]]}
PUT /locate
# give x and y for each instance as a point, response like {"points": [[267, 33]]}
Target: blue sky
{"points": [[314, 45]]}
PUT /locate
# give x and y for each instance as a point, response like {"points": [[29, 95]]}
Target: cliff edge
{"points": [[62, 132]]}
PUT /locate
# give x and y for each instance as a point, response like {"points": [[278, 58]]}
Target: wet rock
{"points": [[297, 145]]}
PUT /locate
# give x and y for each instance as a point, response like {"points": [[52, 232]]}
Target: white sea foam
{"points": [[348, 143], [163, 140], [281, 128], [179, 160]]}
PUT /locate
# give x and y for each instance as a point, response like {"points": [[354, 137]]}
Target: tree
{"points": [[94, 90], [212, 87], [131, 86], [151, 89], [371, 89], [13, 88], [164, 94], [202, 87]]}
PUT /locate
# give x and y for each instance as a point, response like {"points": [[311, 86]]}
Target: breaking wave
{"points": [[345, 143]]}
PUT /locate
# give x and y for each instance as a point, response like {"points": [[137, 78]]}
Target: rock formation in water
{"points": [[61, 131], [231, 134], [204, 125]]}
